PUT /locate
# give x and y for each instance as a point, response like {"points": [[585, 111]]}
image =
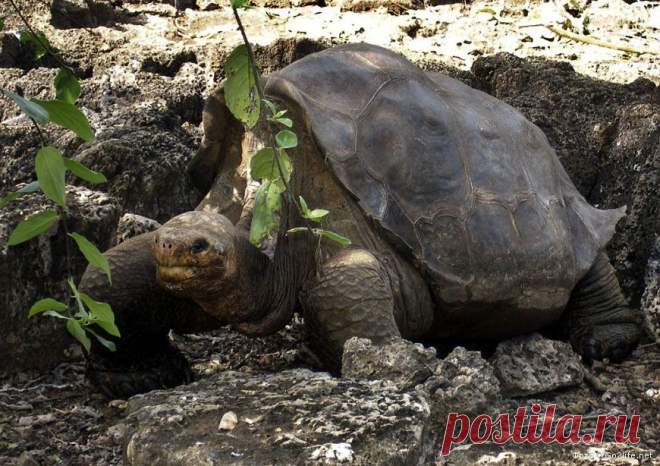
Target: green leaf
{"points": [[287, 168], [334, 236], [286, 139], [2, 20], [67, 87], [92, 254], [48, 304], [31, 227], [28, 188], [264, 167], [38, 39], [284, 121], [75, 329], [56, 314], [81, 307], [31, 109], [265, 216], [316, 215], [83, 172], [271, 107], [68, 116], [238, 3], [298, 230], [8, 198], [51, 174], [107, 343], [100, 311], [303, 205], [102, 315], [31, 187], [240, 87]]}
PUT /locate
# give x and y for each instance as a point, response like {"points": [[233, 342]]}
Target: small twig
{"points": [[594, 382], [17, 407], [39, 132], [600, 43], [73, 20], [37, 38]]}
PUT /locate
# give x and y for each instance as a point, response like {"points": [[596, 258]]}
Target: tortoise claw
{"points": [[614, 342]]}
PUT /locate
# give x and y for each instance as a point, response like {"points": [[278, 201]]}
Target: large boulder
{"points": [[291, 417]]}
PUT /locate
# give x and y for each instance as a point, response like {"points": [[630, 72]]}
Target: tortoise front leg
{"points": [[144, 313], [351, 297], [601, 324]]}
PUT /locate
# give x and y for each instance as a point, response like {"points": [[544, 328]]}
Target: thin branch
{"points": [[260, 92], [36, 36], [73, 20], [600, 43], [39, 132]]}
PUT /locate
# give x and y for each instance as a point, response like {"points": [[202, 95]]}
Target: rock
{"points": [[630, 175], [463, 383], [37, 269], [392, 6], [228, 421], [530, 364], [404, 363], [131, 225], [506, 458], [291, 417], [142, 149], [651, 297], [67, 14]]}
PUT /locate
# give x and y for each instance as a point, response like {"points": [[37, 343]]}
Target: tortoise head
{"points": [[193, 254]]}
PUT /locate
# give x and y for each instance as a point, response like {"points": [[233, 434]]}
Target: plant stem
{"points": [[73, 20], [260, 92], [36, 37], [39, 132], [600, 43]]}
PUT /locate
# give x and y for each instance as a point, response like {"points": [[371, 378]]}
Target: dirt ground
{"points": [[55, 417]]}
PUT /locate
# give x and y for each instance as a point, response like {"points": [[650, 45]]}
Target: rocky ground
{"points": [[145, 69]]}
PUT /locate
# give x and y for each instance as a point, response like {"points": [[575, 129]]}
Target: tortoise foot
{"points": [[121, 380], [614, 342]]}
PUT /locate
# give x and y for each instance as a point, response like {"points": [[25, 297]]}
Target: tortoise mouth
{"points": [[179, 273]]}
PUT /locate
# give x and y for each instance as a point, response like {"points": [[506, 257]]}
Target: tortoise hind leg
{"points": [[601, 324], [351, 297]]}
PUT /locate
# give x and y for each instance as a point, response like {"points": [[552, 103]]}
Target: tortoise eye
{"points": [[199, 246]]}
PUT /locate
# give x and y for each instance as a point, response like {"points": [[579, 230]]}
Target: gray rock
{"points": [[530, 364], [651, 297], [37, 269], [404, 363], [66, 14], [142, 150], [291, 417], [131, 225], [464, 383]]}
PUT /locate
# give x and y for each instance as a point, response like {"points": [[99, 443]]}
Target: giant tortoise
{"points": [[464, 226]]}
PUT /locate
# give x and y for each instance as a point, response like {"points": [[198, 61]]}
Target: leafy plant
{"points": [[81, 312], [271, 165]]}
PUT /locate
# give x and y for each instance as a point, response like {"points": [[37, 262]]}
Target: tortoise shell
{"points": [[466, 183]]}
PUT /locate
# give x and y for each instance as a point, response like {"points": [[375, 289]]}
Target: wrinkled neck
{"points": [[261, 295]]}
